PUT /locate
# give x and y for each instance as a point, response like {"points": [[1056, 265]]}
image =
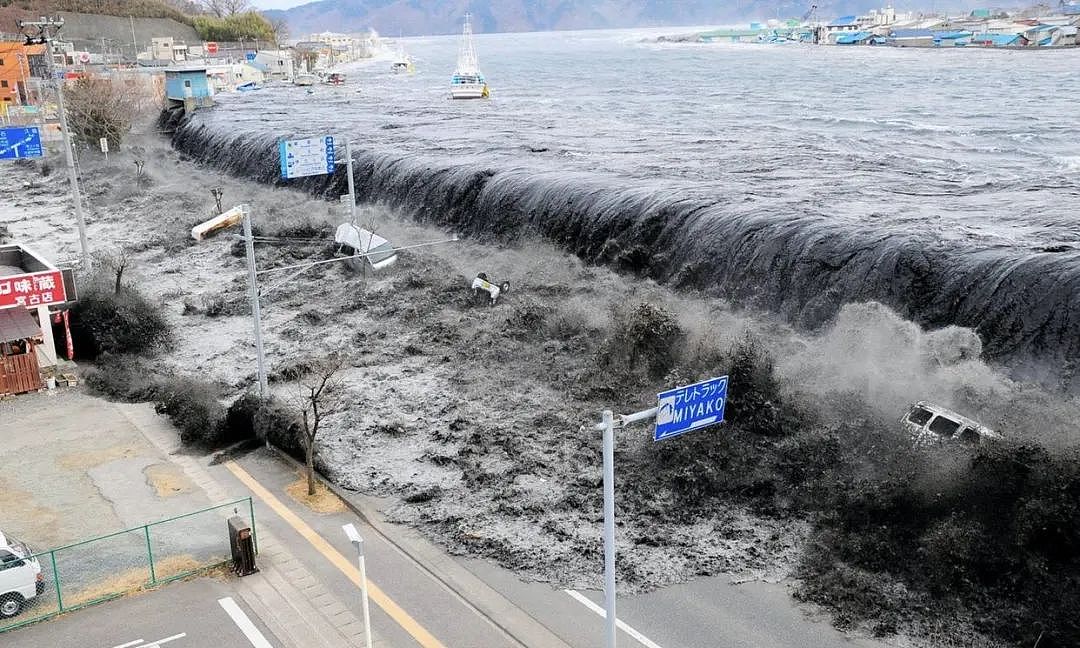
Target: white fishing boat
{"points": [[468, 81], [304, 79], [403, 63]]}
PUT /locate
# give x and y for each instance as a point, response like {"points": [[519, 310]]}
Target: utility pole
{"points": [[256, 313], [47, 28]]}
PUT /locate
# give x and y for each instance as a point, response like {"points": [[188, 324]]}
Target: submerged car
{"points": [[931, 424]]}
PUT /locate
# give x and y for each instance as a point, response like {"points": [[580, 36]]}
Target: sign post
{"points": [[104, 144], [315, 156], [677, 412]]}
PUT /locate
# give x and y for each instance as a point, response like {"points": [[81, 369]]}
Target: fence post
{"points": [[56, 581], [254, 533], [150, 555]]}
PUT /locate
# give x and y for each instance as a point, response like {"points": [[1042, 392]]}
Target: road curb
{"points": [[499, 611]]}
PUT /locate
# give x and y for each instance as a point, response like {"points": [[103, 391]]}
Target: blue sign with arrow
{"points": [[683, 409], [16, 143]]}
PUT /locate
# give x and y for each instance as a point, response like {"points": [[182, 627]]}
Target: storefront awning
{"points": [[17, 323]]}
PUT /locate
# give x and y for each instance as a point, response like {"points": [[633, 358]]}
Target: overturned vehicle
{"points": [[931, 424]]}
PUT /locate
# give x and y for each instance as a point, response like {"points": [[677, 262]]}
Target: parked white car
{"points": [[20, 576], [931, 424]]}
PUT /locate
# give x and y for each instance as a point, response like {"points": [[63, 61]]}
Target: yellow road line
{"points": [[346, 566]]}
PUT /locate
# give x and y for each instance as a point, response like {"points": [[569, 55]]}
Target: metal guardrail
{"points": [[99, 569]]}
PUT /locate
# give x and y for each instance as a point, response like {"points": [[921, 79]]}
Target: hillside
{"points": [[420, 17], [12, 10]]}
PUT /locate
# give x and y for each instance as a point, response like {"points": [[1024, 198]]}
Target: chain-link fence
{"points": [[46, 583]]}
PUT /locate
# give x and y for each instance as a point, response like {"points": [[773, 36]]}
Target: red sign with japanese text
{"points": [[33, 289]]}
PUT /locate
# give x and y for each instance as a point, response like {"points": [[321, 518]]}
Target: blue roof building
{"points": [[952, 39], [844, 21], [859, 38], [999, 40], [189, 87]]}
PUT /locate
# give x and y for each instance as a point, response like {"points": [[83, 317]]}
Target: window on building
{"points": [[3, 83]]}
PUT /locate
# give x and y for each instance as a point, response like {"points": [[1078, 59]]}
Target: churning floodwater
{"points": [[944, 183]]}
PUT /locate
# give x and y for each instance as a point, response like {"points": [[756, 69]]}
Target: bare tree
{"points": [[103, 108], [280, 29], [223, 8], [120, 262], [320, 394]]}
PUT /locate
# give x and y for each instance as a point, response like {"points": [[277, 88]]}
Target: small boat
{"points": [[304, 79], [248, 87], [468, 81], [403, 64], [335, 78]]}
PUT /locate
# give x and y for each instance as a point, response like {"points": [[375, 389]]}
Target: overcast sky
{"points": [[279, 4]]}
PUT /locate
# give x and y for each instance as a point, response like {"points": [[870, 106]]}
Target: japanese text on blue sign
{"points": [[683, 409]]}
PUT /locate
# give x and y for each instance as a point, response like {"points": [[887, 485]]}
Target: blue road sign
{"points": [[306, 157], [250, 56], [18, 143], [683, 409]]}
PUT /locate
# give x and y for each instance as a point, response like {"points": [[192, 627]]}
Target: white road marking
{"points": [[129, 644], [640, 638], [158, 643], [244, 623]]}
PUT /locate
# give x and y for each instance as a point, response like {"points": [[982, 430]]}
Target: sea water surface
{"points": [[796, 178]]}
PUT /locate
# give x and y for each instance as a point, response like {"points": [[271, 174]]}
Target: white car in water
{"points": [[20, 576], [931, 424]]}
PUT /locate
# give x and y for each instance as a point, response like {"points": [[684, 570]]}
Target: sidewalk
{"points": [[307, 590], [293, 603]]}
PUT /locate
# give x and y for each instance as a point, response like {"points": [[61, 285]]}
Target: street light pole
{"points": [[47, 27], [358, 542], [256, 313]]}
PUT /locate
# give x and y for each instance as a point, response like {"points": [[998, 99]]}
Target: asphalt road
{"points": [[705, 613], [179, 615], [433, 607]]}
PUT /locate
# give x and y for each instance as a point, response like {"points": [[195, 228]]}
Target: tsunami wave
{"points": [[1023, 303]]}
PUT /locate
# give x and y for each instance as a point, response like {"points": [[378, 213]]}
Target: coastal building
{"points": [[188, 87], [16, 72], [279, 64], [860, 38], [167, 49], [952, 39], [912, 38], [999, 40]]}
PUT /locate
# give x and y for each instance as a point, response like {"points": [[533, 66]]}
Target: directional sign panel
{"points": [[18, 143], [306, 157], [683, 409]]}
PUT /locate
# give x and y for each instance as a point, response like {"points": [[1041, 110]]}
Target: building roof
{"points": [[844, 21], [17, 323], [1071, 10], [912, 33], [181, 70], [997, 39], [956, 35]]}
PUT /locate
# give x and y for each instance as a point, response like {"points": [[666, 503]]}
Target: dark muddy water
{"points": [[792, 178]]}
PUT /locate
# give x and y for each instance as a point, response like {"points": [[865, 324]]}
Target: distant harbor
{"points": [[1039, 27]]}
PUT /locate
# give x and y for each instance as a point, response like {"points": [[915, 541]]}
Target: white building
{"points": [[279, 64]]}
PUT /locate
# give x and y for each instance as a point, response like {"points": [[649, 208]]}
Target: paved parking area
{"points": [[195, 614], [84, 470]]}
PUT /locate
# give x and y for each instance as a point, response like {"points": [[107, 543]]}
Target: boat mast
{"points": [[467, 61]]}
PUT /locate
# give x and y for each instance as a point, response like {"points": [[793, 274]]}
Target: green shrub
{"points": [[122, 377], [193, 407], [117, 322]]}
